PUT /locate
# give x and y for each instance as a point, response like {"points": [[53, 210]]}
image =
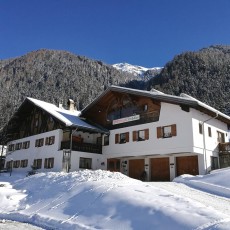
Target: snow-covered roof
{"points": [[68, 117]]}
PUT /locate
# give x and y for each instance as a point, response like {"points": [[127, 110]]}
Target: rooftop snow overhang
{"points": [[183, 99], [68, 118]]}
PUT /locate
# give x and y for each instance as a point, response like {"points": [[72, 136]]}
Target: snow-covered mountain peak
{"points": [[134, 69]]}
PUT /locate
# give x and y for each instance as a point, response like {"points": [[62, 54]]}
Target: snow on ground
{"points": [[105, 200]]}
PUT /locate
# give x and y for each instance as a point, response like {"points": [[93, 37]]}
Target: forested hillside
{"points": [[54, 76], [204, 74]]}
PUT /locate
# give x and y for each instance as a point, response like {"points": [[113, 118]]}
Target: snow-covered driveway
{"points": [[219, 203], [108, 200]]}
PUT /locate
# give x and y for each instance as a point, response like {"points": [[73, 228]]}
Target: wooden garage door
{"points": [[136, 168], [160, 169], [187, 165]]}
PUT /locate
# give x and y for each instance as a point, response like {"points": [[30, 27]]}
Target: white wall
{"points": [[98, 160], [170, 114], [45, 151], [201, 140]]}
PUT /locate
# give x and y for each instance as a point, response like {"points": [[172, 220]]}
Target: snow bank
{"points": [[217, 182], [99, 200]]}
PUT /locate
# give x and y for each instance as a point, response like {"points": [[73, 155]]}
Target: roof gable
{"points": [[183, 99]]}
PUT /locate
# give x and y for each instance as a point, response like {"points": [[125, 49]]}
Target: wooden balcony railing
{"points": [[224, 148], [82, 147], [144, 118]]}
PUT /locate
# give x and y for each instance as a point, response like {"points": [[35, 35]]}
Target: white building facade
{"points": [[145, 135]]}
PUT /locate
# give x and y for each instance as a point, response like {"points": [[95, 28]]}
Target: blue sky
{"points": [[141, 32]]}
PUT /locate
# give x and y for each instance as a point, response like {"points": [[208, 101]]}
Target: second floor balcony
{"points": [[224, 148], [82, 147]]}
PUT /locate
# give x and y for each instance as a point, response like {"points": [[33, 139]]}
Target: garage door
{"points": [[187, 165], [136, 168], [160, 169]]}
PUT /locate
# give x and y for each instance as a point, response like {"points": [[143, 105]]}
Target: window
{"points": [[24, 163], [122, 138], [37, 163], [49, 163], [11, 147], [166, 131], [50, 140], [113, 165], [209, 132], [214, 163], [26, 145], [106, 140], [141, 135], [85, 163], [39, 142], [8, 166], [200, 128], [220, 137], [18, 146], [16, 164], [99, 141]]}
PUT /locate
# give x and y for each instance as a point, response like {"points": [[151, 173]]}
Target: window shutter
{"points": [[159, 132], [116, 138], [36, 143], [174, 130], [47, 140], [53, 139], [45, 163], [134, 135], [127, 137], [146, 134], [222, 138]]}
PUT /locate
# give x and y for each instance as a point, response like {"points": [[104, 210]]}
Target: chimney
{"points": [[60, 106], [71, 105]]}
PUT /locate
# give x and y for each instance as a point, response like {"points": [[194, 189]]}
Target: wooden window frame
{"points": [[160, 131], [39, 142], [16, 164], [26, 144], [37, 163], [220, 137], [136, 135], [124, 140], [106, 140], [18, 146], [24, 163], [50, 140], [83, 164], [49, 163], [11, 147], [209, 132]]}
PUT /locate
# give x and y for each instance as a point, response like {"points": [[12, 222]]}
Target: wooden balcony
{"points": [[144, 118], [82, 147], [224, 148]]}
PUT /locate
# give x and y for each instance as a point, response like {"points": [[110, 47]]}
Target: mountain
{"points": [[204, 74], [54, 76], [143, 72]]}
